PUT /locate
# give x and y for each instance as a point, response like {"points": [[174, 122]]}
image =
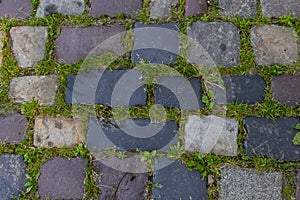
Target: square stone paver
{"points": [[274, 45], [246, 184], [62, 178], [29, 44], [18, 9], [195, 7], [275, 8], [161, 8], [238, 8], [214, 44], [12, 176]]}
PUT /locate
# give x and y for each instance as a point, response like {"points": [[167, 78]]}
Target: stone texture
{"points": [[111, 88], [1, 46], [12, 128], [246, 184], [12, 176], [62, 178], [28, 88], [129, 134], [75, 44], [274, 45], [273, 139], [161, 8], [195, 7], [57, 132], [298, 185], [215, 44], [244, 89], [66, 7], [178, 183], [155, 43], [114, 7], [29, 44], [238, 8], [211, 134], [18, 9], [120, 185], [285, 89], [275, 8], [178, 92]]}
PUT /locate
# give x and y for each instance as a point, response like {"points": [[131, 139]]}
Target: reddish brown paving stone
{"points": [[19, 9], [286, 88], [195, 7]]}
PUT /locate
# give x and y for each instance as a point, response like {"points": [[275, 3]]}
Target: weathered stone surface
{"points": [[215, 44], [62, 178], [119, 185], [19, 9], [246, 184], [298, 185], [77, 43], [274, 45], [12, 128], [111, 88], [285, 89], [179, 183], [66, 7], [211, 134], [29, 44], [28, 88], [238, 8], [178, 92], [57, 132], [272, 138], [244, 89], [1, 46], [275, 8], [155, 43], [161, 8], [114, 7], [129, 134], [12, 176], [195, 7]]}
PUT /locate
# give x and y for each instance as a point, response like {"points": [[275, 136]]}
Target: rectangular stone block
{"points": [[275, 8], [18, 9], [195, 7]]}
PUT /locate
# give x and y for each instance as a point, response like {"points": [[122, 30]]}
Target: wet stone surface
{"points": [[273, 139], [215, 44], [66, 7], [238, 8], [246, 184], [12, 128], [114, 7], [274, 44], [18, 9], [275, 8], [161, 8], [29, 44], [62, 178], [28, 88], [195, 7], [12, 176]]}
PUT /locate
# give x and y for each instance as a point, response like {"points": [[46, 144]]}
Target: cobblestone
{"points": [[238, 8], [161, 8], [195, 7], [275, 8], [18, 9]]}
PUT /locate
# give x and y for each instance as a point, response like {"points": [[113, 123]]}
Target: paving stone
{"points": [[29, 44], [120, 185], [238, 8], [298, 185], [195, 7], [18, 9], [161, 8], [274, 8], [247, 184], [12, 176], [273, 139], [66, 7], [178, 92], [211, 134], [285, 89], [28, 88], [129, 134], [62, 178], [1, 46], [114, 7], [178, 183], [155, 43], [111, 88], [215, 44], [57, 132], [75, 44], [12, 128], [244, 89], [274, 45]]}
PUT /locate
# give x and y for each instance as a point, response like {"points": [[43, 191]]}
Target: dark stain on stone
{"points": [[223, 47], [50, 144], [38, 139], [79, 4], [50, 9], [58, 125]]}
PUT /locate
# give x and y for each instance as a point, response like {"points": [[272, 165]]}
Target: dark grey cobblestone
{"points": [[238, 8], [161, 9], [195, 7], [275, 8], [18, 9]]}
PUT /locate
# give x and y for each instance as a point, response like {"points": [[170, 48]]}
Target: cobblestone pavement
{"points": [[149, 99]]}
